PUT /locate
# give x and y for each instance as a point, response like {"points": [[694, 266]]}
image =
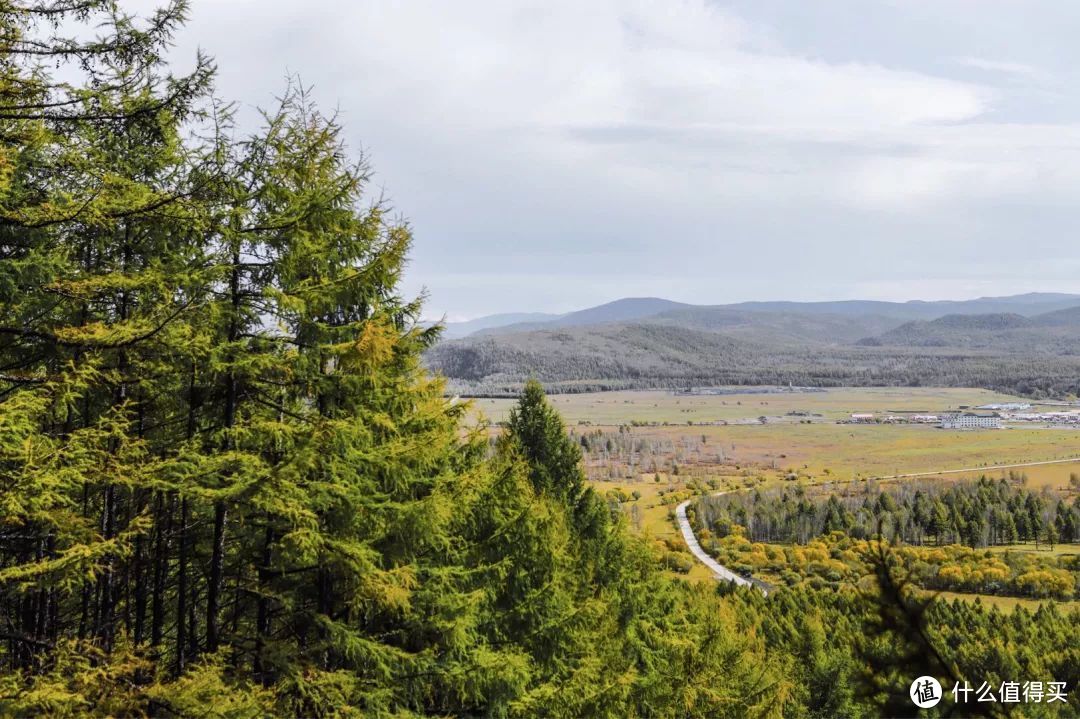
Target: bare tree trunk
{"points": [[182, 589], [221, 515], [162, 527]]}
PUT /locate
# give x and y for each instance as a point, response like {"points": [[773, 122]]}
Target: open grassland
{"points": [[831, 452], [650, 516], [1058, 550], [860, 451], [647, 406], [823, 450]]}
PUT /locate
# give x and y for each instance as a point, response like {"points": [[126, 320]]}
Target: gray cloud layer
{"points": [[556, 154]]}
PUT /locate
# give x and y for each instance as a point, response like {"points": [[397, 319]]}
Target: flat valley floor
{"points": [[660, 441]]}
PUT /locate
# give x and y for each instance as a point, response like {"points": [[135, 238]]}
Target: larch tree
{"points": [[537, 431], [227, 483]]}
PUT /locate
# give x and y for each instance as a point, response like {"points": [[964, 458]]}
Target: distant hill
{"points": [[649, 354], [615, 350], [1027, 344], [456, 330], [775, 325], [1029, 304], [1061, 318], [953, 331], [630, 308], [874, 315], [1055, 332]]}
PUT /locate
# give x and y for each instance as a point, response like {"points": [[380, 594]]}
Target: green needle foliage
{"points": [[228, 485], [536, 430]]}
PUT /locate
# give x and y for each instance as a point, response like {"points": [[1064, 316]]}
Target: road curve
{"points": [[719, 570]]}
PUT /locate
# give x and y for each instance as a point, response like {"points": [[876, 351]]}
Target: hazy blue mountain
{"points": [[456, 330], [1060, 318], [630, 308], [776, 325], [1030, 304], [984, 330], [864, 317]]}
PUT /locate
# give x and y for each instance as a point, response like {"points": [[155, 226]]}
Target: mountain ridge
{"points": [[634, 308], [1027, 344]]}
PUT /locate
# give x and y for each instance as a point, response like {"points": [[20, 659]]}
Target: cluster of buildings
{"points": [[1060, 418], [948, 420], [968, 419]]}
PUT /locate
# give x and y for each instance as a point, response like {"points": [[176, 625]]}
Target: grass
{"points": [[831, 452], [847, 451], [1008, 604], [651, 518], [854, 451], [612, 408], [1057, 551]]}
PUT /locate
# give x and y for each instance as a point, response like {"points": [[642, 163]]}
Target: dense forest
{"points": [[229, 487], [981, 513], [790, 537]]}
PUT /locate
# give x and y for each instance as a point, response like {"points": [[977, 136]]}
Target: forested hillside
{"points": [[989, 342], [661, 354]]}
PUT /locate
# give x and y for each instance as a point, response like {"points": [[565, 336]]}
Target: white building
{"points": [[970, 420]]}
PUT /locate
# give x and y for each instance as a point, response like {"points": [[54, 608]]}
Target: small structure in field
{"points": [[970, 420]]}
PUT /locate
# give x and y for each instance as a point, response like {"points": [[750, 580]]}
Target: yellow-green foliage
{"points": [[839, 558]]}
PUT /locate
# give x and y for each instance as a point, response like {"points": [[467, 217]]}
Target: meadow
{"points": [[613, 408], [801, 433]]}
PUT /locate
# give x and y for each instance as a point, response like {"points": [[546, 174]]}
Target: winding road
{"points": [[722, 573], [719, 570]]}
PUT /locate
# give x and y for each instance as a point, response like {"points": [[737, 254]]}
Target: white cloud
{"points": [[619, 131], [1003, 67]]}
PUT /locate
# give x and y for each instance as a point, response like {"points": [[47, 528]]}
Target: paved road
{"points": [[719, 570], [724, 574], [978, 469]]}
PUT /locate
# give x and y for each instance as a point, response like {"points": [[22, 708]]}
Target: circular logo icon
{"points": [[925, 692]]}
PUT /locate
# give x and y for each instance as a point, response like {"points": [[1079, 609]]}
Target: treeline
{"points": [[623, 453], [981, 513]]}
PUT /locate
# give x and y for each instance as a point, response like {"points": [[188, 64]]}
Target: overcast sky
{"points": [[556, 154]]}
